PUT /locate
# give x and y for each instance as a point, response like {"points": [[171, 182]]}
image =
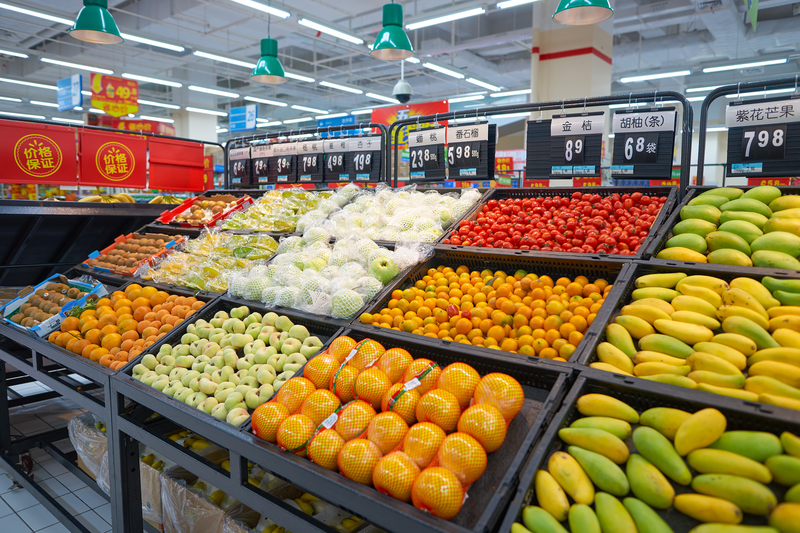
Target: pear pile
{"points": [[231, 363]]}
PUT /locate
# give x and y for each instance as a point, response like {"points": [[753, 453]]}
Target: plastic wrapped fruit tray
{"points": [[640, 396], [615, 273], [544, 389], [170, 242], [534, 192], [588, 348], [234, 206], [656, 245]]}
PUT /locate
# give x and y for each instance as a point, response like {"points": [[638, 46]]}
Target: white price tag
{"points": [[330, 421], [412, 384]]}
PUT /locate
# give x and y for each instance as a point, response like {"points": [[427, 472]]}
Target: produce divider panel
{"points": [[643, 142]]}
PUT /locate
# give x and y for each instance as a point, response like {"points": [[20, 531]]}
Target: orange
{"points": [[357, 460], [93, 336], [552, 335], [126, 345], [78, 347], [354, 420], [111, 340], [149, 331], [53, 336], [90, 323], [370, 385], [165, 328], [440, 407], [342, 383], [340, 347], [106, 359], [438, 491], [459, 379], [127, 324], [324, 448], [72, 342], [509, 345], [394, 362], [122, 302], [566, 351], [102, 302], [463, 455], [500, 391], [147, 292], [197, 305], [422, 442], [158, 298], [140, 302], [70, 323], [97, 353], [426, 371], [142, 324], [394, 475], [294, 432], [319, 405], [404, 404], [131, 288], [320, 369], [107, 319], [386, 431], [485, 424], [89, 349], [549, 353], [496, 332], [108, 329]]}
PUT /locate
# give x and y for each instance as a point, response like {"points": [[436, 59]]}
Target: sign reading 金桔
{"points": [[243, 118], [115, 96], [576, 144], [643, 143], [69, 92]]}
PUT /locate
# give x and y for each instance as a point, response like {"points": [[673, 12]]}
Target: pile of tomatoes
{"points": [[616, 224]]}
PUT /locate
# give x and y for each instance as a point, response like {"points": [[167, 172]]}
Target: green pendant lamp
{"points": [[582, 12], [392, 43], [269, 69], [95, 24]]}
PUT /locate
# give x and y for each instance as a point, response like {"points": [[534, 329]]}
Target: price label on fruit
{"points": [[365, 153], [426, 153], [576, 143], [465, 144], [763, 137], [336, 151], [643, 143]]}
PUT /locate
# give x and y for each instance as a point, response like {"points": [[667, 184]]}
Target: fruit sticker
{"points": [[116, 96]]}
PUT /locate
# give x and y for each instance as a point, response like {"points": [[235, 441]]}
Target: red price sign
{"points": [[769, 181], [537, 183], [586, 182], [504, 164], [116, 96]]}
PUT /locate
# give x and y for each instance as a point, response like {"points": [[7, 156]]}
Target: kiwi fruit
{"points": [[24, 307], [17, 318], [73, 292]]}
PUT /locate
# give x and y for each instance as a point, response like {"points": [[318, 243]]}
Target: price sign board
{"points": [[336, 152], [538, 141], [763, 138], [282, 166], [364, 158], [426, 154], [115, 96], [643, 143], [309, 161], [241, 164], [260, 156], [576, 144], [470, 150]]}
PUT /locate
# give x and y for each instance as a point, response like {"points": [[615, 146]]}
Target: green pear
{"points": [[163, 369], [291, 346], [253, 398], [188, 376], [219, 412], [253, 330], [172, 388], [282, 378], [168, 360], [191, 328], [249, 381], [139, 370], [308, 351], [237, 416], [234, 378], [270, 319], [196, 399], [208, 405], [230, 358], [160, 383], [189, 338], [239, 340], [180, 350], [294, 362], [221, 314], [277, 361], [208, 387], [183, 394], [177, 373], [184, 361], [252, 318], [223, 390], [148, 377], [211, 349], [217, 335], [263, 354], [194, 384], [266, 391], [243, 364], [164, 350], [253, 372], [233, 399]]}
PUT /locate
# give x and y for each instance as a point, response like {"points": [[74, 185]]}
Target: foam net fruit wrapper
{"points": [[276, 211]]}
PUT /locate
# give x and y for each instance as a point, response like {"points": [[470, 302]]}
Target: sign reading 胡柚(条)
{"points": [[426, 153], [643, 143], [576, 144], [69, 92], [243, 118]]}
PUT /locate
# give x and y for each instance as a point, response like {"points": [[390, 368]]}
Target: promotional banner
{"points": [[37, 153], [176, 165], [116, 96], [388, 115], [126, 124], [113, 160]]}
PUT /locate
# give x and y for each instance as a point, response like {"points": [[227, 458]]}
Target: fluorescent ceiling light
{"points": [[443, 70], [147, 79], [662, 75], [361, 112], [761, 93], [206, 111], [465, 98], [702, 89], [152, 42], [412, 59], [212, 91], [266, 9], [296, 120], [159, 104], [330, 31], [22, 115], [45, 104], [214, 57], [446, 18], [8, 99], [68, 120], [29, 84], [722, 128], [77, 109], [380, 97], [510, 115], [13, 54], [745, 65], [309, 109], [36, 14], [86, 93], [483, 84], [157, 119], [695, 98], [341, 87], [268, 124], [513, 3], [265, 101], [620, 106], [222, 130], [294, 76], [611, 135], [511, 93], [96, 111], [76, 65], [335, 115]]}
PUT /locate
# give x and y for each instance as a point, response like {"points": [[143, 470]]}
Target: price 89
{"points": [[765, 142], [310, 164], [362, 161], [574, 149]]}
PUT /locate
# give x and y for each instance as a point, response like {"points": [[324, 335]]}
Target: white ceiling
{"points": [[649, 36]]}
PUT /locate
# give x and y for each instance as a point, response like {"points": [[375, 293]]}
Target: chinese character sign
{"points": [[113, 160], [762, 113], [37, 153], [116, 96]]}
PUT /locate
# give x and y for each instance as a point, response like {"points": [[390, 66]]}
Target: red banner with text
{"points": [[113, 160], [116, 96], [176, 165], [37, 153], [388, 115]]}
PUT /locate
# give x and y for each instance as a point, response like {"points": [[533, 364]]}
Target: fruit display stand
{"points": [[654, 234], [641, 396], [588, 354], [232, 205], [659, 244]]}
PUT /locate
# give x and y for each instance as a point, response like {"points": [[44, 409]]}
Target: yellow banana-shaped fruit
{"points": [[550, 495], [742, 299], [750, 496], [791, 443], [646, 356], [786, 517], [734, 310], [654, 292], [690, 317], [731, 528], [679, 253], [708, 508], [786, 373], [637, 327], [672, 379], [657, 303], [156, 200], [694, 304], [91, 199], [666, 281], [699, 430], [598, 441], [734, 357], [789, 356], [645, 312], [621, 339], [758, 291], [771, 386], [571, 477], [610, 354], [790, 322], [725, 391], [745, 326], [783, 310], [717, 380], [712, 363], [604, 405], [703, 293], [780, 401], [787, 338], [688, 333], [711, 461], [738, 342], [608, 368], [651, 369], [709, 282]]}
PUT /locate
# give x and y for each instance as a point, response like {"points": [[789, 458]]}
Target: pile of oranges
{"points": [[123, 325], [521, 313]]}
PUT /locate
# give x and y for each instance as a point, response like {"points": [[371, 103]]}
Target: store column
{"points": [[191, 125]]}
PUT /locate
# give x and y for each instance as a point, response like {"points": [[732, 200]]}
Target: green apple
{"points": [[384, 269]]}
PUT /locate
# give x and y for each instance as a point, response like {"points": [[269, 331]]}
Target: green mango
{"points": [[694, 225], [657, 449], [751, 496], [619, 428], [753, 218], [602, 471], [770, 259], [763, 193], [648, 483], [722, 240], [793, 494], [777, 284], [612, 515], [751, 330], [691, 241], [665, 344], [756, 445], [746, 230], [747, 204], [730, 528], [703, 212], [619, 337], [778, 241], [665, 420], [787, 298], [709, 199], [729, 257], [646, 519], [784, 224], [731, 193], [582, 518], [785, 469], [711, 461], [788, 201], [539, 520]]}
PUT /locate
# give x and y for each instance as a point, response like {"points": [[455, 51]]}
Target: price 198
{"points": [[362, 162], [764, 142]]}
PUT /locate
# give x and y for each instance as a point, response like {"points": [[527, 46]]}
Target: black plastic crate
{"points": [[544, 390], [640, 396], [655, 246], [616, 273], [587, 355], [529, 192]]}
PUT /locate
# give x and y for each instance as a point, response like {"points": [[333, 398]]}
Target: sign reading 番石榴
{"points": [[37, 153], [115, 96], [113, 160]]}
